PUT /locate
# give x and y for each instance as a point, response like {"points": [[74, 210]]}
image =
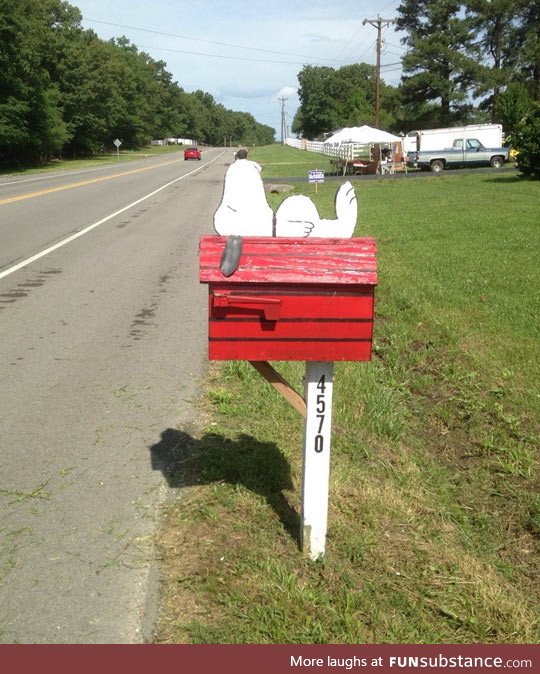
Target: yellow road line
{"points": [[31, 195]]}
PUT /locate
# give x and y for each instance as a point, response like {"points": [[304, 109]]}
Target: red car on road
{"points": [[192, 153]]}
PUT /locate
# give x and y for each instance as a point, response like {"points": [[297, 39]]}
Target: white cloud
{"points": [[285, 92]]}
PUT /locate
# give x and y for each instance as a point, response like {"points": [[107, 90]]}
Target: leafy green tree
{"points": [[528, 47], [15, 59], [200, 119], [331, 99], [31, 124], [177, 111], [513, 107], [212, 123], [86, 92], [527, 140], [440, 65], [51, 129], [138, 95], [493, 22], [265, 134], [62, 89], [318, 101], [355, 100], [238, 127]]}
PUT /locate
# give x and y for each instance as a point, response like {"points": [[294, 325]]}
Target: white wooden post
{"points": [[316, 469]]}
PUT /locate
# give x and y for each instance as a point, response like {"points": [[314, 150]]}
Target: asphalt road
{"points": [[103, 344]]}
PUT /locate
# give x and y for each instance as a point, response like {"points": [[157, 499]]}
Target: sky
{"points": [[248, 53]]}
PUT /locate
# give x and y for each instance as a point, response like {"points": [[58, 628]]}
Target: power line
{"points": [[398, 46], [340, 52], [221, 44], [392, 70], [221, 56], [394, 2], [373, 44]]}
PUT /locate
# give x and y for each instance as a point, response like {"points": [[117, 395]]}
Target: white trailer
{"points": [[490, 135]]}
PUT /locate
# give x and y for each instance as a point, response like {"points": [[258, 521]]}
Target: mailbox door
{"points": [[280, 322]]}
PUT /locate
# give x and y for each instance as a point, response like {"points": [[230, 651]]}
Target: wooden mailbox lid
{"points": [[291, 299]]}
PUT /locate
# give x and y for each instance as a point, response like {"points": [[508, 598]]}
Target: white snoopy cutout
{"points": [[244, 210]]}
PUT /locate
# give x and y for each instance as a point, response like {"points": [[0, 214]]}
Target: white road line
{"points": [[84, 231]]}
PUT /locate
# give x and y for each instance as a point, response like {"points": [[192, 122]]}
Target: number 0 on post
{"points": [[316, 468]]}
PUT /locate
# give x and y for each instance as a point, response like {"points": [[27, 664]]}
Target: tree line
{"points": [[64, 91], [463, 62]]}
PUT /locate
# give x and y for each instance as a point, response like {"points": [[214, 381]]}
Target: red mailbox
{"points": [[291, 299]]}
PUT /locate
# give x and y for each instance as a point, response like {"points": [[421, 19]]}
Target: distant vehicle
{"points": [[464, 152], [192, 153], [490, 135]]}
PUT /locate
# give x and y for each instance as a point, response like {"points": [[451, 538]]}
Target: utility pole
{"points": [[283, 128], [378, 23]]}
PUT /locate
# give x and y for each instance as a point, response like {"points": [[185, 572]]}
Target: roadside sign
{"points": [[316, 176], [117, 142]]}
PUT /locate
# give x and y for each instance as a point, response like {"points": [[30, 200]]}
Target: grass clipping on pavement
{"points": [[434, 504]]}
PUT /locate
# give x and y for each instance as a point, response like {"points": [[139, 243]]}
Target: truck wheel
{"points": [[496, 162], [437, 166]]}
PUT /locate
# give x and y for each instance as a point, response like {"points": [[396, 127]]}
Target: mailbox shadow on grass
{"points": [[257, 466]]}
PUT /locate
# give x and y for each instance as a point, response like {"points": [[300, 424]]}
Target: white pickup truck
{"points": [[464, 152]]}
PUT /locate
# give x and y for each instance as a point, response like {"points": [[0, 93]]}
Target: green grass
{"points": [[280, 161], [434, 523]]}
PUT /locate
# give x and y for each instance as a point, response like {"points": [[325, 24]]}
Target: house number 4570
{"points": [[321, 410]]}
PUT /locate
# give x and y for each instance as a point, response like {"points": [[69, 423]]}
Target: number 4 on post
{"points": [[316, 467]]}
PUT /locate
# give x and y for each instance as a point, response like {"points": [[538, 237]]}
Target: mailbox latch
{"points": [[270, 306]]}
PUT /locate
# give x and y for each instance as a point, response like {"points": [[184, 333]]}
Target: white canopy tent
{"points": [[363, 135], [344, 144]]}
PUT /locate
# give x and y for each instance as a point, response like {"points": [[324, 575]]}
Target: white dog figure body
{"points": [[244, 210]]}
